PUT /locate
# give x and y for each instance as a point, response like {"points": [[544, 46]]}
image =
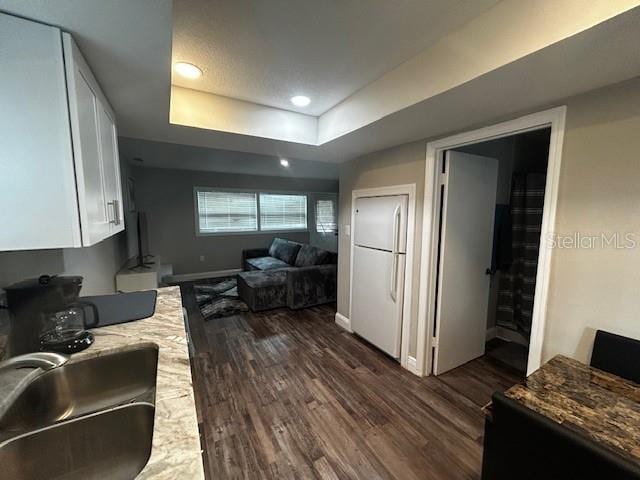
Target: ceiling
{"points": [[269, 51], [128, 44]]}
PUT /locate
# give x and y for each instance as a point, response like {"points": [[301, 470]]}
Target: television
{"points": [[137, 244]]}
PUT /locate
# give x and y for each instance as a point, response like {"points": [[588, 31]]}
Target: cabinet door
{"points": [[95, 150], [111, 169], [38, 205], [90, 177]]}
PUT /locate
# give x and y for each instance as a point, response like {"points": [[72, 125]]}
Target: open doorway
{"points": [[517, 165], [466, 338]]}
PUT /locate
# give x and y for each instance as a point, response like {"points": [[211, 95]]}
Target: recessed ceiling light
{"points": [[284, 162], [188, 70], [300, 101]]}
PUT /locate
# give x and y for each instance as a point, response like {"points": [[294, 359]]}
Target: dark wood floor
{"points": [[287, 394]]}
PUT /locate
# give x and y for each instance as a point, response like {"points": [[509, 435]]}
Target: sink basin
{"points": [[81, 388], [113, 444], [90, 419]]}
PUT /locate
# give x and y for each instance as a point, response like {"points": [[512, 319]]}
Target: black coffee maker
{"points": [[46, 314]]}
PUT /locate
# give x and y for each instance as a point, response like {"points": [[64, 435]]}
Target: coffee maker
{"points": [[46, 314]]}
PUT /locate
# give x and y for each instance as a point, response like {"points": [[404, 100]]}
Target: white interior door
{"points": [[465, 253]]}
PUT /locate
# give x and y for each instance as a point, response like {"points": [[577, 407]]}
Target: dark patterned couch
{"points": [[287, 274]]}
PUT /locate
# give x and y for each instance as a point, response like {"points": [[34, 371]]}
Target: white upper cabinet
{"points": [[95, 147], [37, 184], [60, 181]]}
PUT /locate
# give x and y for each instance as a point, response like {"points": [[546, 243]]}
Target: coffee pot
{"points": [[46, 314]]}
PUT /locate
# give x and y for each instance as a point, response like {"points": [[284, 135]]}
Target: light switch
{"points": [[347, 230]]}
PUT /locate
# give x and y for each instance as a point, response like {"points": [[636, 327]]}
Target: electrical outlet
{"points": [[202, 258]]}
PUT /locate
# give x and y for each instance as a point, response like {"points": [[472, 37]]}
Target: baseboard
{"points": [[187, 277], [343, 322], [412, 366]]}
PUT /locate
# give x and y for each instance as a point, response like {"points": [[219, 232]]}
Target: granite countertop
{"points": [[176, 451], [597, 404]]}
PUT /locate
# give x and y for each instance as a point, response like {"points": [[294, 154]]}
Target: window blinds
{"points": [[227, 211], [326, 216], [283, 212]]}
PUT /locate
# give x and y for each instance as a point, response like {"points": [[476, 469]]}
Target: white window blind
{"points": [[220, 212], [283, 212], [326, 216]]}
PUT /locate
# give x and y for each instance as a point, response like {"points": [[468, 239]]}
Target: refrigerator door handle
{"points": [[394, 278], [396, 229]]}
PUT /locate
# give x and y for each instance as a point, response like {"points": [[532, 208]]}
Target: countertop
{"points": [[597, 404], [176, 451]]}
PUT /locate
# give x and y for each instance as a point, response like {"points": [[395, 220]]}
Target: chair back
{"points": [[522, 444], [617, 354]]}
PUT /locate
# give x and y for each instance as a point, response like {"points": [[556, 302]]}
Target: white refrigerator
{"points": [[379, 257]]}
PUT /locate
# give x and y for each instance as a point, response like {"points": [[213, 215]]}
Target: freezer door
{"points": [[381, 222], [377, 297]]}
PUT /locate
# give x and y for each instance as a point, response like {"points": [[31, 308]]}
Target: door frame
{"points": [[554, 118], [408, 189]]}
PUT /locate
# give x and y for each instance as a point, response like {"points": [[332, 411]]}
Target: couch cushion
{"points": [[310, 255], [266, 263], [284, 250], [263, 290]]}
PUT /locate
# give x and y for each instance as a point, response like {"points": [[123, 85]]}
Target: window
{"points": [[326, 217], [283, 212], [220, 212]]}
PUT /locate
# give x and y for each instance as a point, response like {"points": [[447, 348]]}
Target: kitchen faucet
{"points": [[43, 360]]}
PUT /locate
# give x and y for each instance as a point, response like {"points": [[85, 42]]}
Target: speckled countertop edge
{"points": [[597, 404], [176, 452]]}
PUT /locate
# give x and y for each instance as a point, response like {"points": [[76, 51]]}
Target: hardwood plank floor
{"points": [[288, 394]]}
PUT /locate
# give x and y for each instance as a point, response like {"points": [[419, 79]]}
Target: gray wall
{"points": [[97, 264], [166, 197]]}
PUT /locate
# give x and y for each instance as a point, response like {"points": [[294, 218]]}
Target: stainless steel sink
{"points": [[87, 419], [113, 444], [82, 387]]}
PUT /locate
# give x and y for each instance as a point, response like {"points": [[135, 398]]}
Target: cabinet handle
{"points": [[109, 217], [116, 211]]}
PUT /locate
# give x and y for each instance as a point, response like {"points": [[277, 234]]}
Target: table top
{"points": [[597, 404]]}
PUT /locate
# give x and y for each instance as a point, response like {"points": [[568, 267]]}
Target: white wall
{"points": [[599, 193]]}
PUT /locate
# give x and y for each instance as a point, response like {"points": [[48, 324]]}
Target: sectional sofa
{"points": [[287, 274]]}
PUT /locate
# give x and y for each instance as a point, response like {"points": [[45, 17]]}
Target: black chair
{"points": [[617, 354], [522, 444]]}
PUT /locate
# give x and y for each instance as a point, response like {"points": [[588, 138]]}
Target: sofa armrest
{"points": [[314, 285], [254, 253]]}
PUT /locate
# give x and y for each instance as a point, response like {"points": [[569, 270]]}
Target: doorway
{"points": [[454, 310], [507, 240]]}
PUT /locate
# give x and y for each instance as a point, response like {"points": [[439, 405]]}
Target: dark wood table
{"points": [[602, 406]]}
